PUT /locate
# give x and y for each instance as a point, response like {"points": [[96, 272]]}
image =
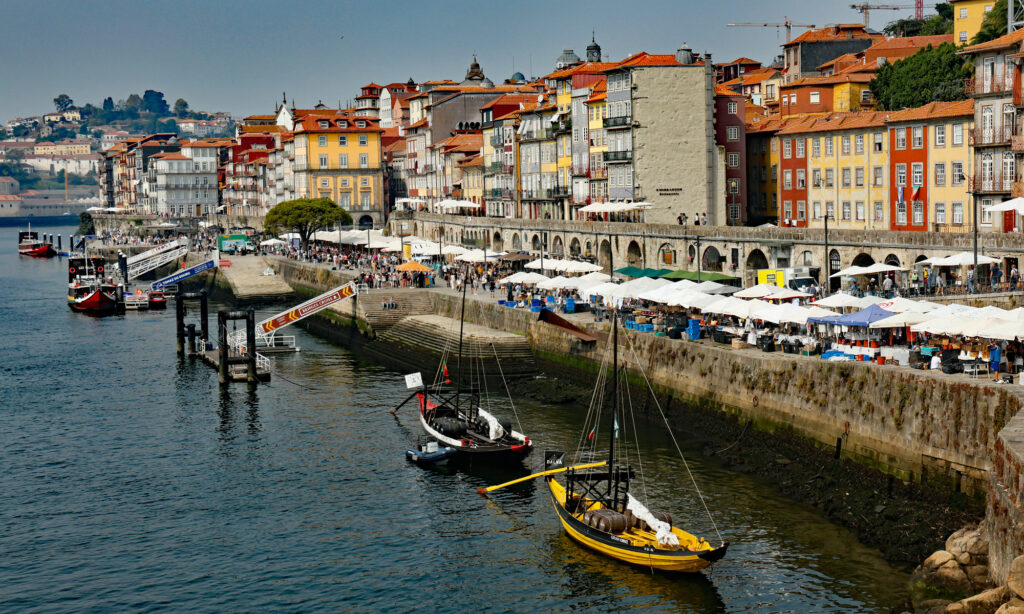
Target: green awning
{"points": [[704, 276], [656, 272], [631, 271]]}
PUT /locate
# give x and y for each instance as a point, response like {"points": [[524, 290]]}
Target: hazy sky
{"points": [[238, 56]]}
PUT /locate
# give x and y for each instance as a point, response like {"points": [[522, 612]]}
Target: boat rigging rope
{"points": [[675, 442], [596, 401], [507, 391], [636, 440]]}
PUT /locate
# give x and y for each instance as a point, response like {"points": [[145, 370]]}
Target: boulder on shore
{"points": [[1015, 577]]}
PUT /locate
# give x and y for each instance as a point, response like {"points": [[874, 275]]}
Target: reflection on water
{"points": [[133, 481]]}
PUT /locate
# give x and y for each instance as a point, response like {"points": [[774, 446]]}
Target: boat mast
{"points": [[462, 323], [615, 398]]}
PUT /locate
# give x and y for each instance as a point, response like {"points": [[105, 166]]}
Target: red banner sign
{"points": [[307, 309]]}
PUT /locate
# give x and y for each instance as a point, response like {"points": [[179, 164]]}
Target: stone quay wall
{"points": [[1004, 515]]}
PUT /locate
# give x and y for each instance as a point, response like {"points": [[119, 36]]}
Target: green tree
{"points": [[154, 102], [940, 23], [305, 216], [930, 74], [86, 225], [994, 24], [181, 107], [63, 103], [108, 104], [133, 103]]}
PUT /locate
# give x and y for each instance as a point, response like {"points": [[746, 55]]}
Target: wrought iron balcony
{"points": [[619, 121], [618, 156], [1001, 135]]}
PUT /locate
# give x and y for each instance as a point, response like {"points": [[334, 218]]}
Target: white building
{"points": [[178, 185]]}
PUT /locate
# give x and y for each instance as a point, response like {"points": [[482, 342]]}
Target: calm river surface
{"points": [[131, 482]]}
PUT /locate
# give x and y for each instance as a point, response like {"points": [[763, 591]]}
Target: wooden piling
{"points": [[250, 345], [191, 339], [222, 348], [179, 323]]}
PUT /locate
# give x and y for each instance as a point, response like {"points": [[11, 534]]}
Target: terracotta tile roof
{"points": [[311, 123], [472, 161], [837, 121], [419, 124], [260, 129], [584, 68], [442, 82], [646, 59], [261, 117], [10, 197], [753, 77], [599, 91], [845, 59], [1007, 40], [741, 60], [722, 90], [851, 77], [169, 155], [509, 99], [918, 42], [959, 108], [396, 147], [833, 33]]}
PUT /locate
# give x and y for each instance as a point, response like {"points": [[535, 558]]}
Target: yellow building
{"points": [[338, 156], [846, 171], [473, 178], [967, 18], [64, 148], [947, 197]]}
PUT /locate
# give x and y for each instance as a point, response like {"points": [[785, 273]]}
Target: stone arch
{"points": [[634, 257], [557, 247], [604, 254], [535, 243], [756, 260], [892, 259], [574, 247], [920, 258], [517, 243], [497, 244], [863, 259], [666, 254], [691, 254], [712, 259], [365, 222], [806, 258]]}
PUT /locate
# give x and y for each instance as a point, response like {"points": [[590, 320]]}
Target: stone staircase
{"points": [[408, 302], [485, 348]]}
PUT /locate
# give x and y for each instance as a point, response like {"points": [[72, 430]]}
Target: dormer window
{"points": [[324, 123], [343, 124], [360, 124]]}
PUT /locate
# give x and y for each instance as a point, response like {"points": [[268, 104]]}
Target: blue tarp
{"points": [[858, 318]]}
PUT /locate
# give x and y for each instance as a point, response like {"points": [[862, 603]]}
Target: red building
{"points": [[793, 173], [908, 176], [730, 133]]}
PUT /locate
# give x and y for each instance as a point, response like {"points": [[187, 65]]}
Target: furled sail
{"points": [[663, 529]]}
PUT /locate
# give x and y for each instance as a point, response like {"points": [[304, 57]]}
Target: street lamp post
{"points": [[828, 258]]}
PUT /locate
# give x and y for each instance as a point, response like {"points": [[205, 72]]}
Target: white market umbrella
{"points": [[785, 294], [1008, 331], [758, 291], [555, 283], [900, 305], [603, 289], [953, 309], [456, 250], [479, 255], [578, 266], [867, 300], [1014, 204], [900, 320], [850, 272], [839, 299], [964, 259], [272, 242], [288, 236]]}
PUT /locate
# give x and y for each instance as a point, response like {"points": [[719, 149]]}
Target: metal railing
{"points": [[994, 183], [618, 156], [993, 85], [953, 228], [1001, 135], [619, 121]]}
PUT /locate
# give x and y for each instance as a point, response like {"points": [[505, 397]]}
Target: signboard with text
{"points": [[306, 309]]}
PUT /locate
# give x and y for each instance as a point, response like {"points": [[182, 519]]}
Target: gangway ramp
{"points": [[149, 260]]}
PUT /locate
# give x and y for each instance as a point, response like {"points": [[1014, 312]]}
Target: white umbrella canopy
{"points": [[880, 267], [1008, 331], [1016, 314], [770, 313], [590, 279], [953, 309], [693, 299], [272, 242], [633, 289], [453, 250], [661, 294], [964, 259], [839, 299], [900, 305], [758, 291], [604, 289], [288, 236], [554, 283], [866, 301], [849, 272], [578, 266], [1014, 204], [785, 294], [991, 311], [939, 326], [479, 255], [532, 279], [814, 311], [426, 248], [900, 320], [710, 287], [974, 326]]}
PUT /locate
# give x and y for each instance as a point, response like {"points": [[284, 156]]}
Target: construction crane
{"points": [[865, 8], [786, 23]]}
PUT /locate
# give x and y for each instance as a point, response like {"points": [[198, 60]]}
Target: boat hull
{"points": [[39, 251], [621, 549], [96, 302], [472, 451]]}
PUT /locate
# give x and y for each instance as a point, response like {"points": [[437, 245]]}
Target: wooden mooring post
{"points": [[225, 359], [179, 321]]}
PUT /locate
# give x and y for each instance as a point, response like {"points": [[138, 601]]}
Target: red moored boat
{"points": [[157, 300], [92, 298], [30, 245]]}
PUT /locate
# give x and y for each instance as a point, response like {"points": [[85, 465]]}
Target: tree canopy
{"points": [[930, 74], [63, 103], [940, 23], [994, 24], [154, 102], [181, 107], [305, 216], [108, 104]]}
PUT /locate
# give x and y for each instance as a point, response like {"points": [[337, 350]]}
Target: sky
{"points": [[239, 56]]}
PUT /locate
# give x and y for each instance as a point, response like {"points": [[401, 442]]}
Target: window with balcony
{"points": [[787, 209], [940, 173], [846, 177], [858, 144], [917, 174], [879, 211], [787, 148], [830, 210], [800, 148], [815, 148], [364, 161], [816, 210], [957, 168], [801, 210], [958, 134], [828, 146], [901, 214], [323, 161], [918, 211], [845, 145], [901, 175], [830, 178], [816, 178], [858, 177], [801, 179], [878, 142]]}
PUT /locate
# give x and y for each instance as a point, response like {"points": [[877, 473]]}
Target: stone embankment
{"points": [[248, 283]]}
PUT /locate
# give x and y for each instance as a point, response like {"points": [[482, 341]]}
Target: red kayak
{"points": [[93, 300]]}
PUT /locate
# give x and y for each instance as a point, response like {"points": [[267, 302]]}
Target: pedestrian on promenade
{"points": [[1014, 277], [994, 357], [970, 280], [887, 287], [703, 219]]}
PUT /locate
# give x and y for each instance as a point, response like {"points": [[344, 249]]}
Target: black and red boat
{"points": [[90, 291], [157, 299], [29, 244]]}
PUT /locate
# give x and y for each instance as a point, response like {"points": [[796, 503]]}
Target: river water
{"points": [[131, 482]]}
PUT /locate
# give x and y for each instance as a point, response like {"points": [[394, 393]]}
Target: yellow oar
{"points": [[484, 491]]}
